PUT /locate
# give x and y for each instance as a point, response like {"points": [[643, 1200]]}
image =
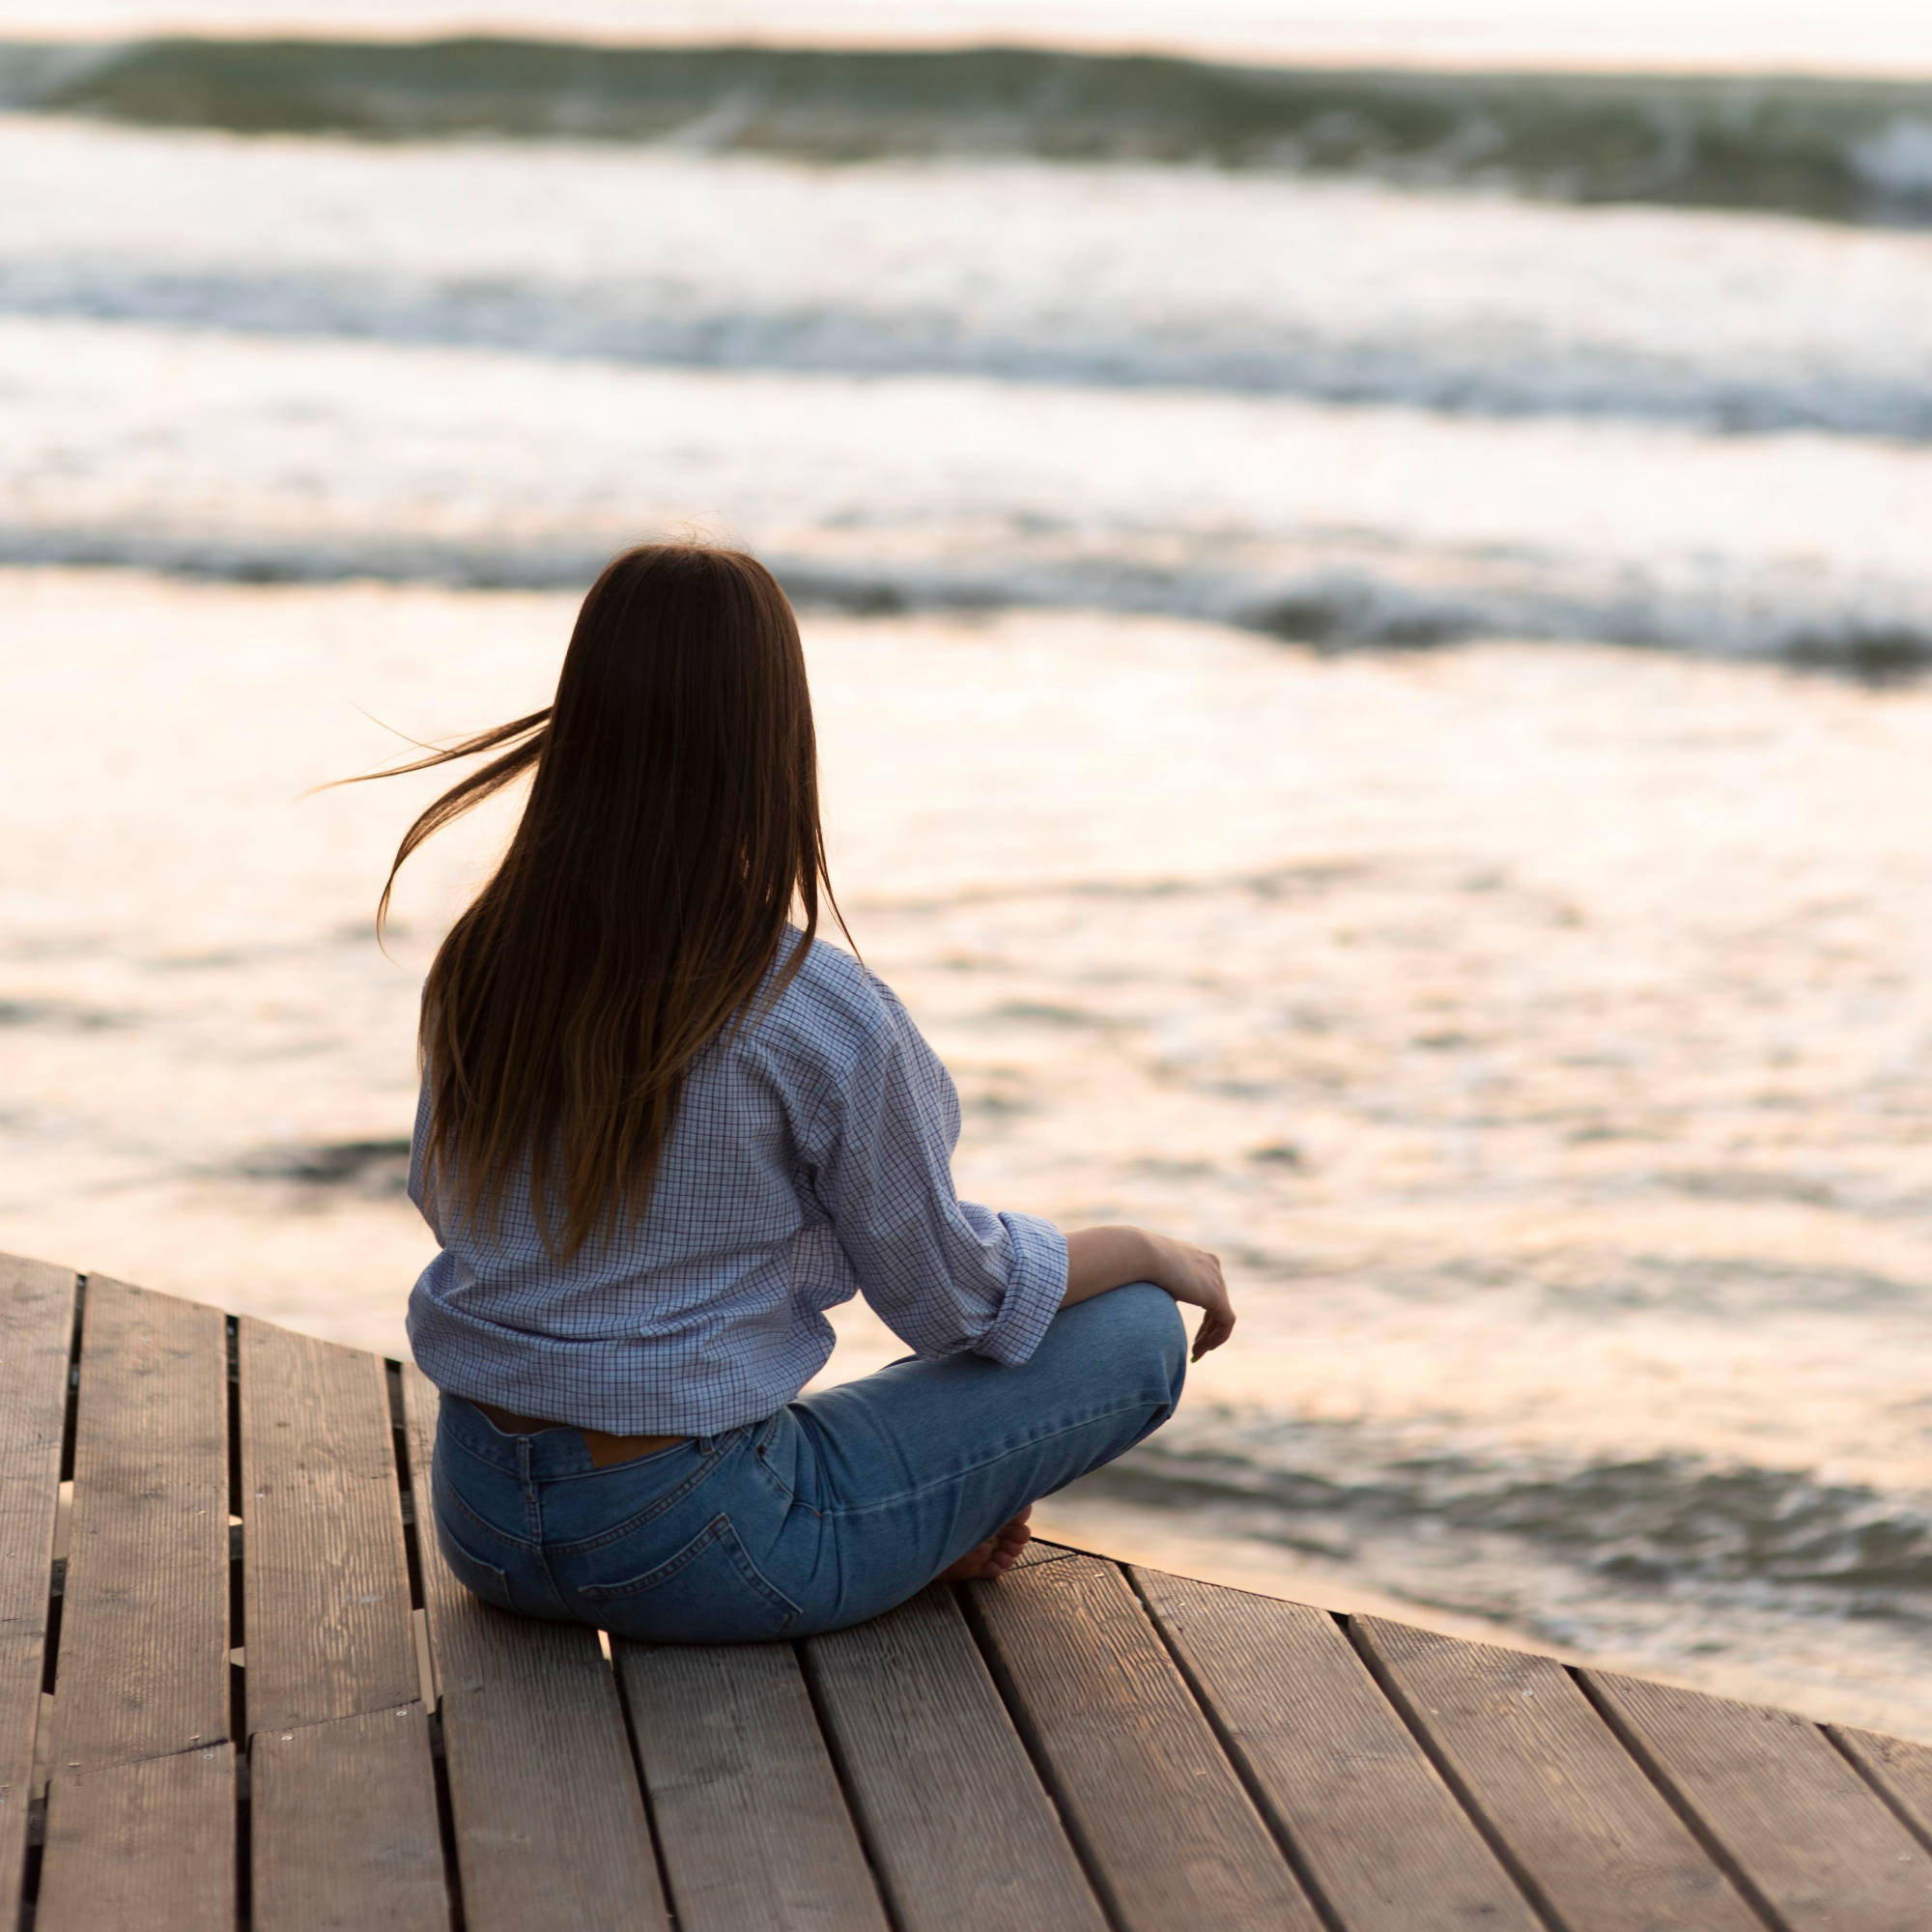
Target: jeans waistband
{"points": [[556, 1451]]}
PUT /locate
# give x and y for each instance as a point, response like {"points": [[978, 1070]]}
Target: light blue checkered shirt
{"points": [[810, 1161]]}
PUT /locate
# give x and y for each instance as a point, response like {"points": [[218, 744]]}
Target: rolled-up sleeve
{"points": [[946, 1275]]}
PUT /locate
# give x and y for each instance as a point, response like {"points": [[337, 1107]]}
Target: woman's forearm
{"points": [[1100, 1259]]}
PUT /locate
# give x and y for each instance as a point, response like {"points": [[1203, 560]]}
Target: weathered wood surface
{"points": [[326, 1600], [1899, 1770], [1378, 1833], [1582, 1824], [344, 1827], [753, 1828], [144, 1621], [148, 1844], [1038, 1551], [551, 1831], [1168, 1832], [36, 1304], [1072, 1748], [1800, 1828], [959, 1827]]}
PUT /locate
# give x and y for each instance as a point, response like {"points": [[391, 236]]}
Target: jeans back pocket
{"points": [[480, 1579], [709, 1592]]}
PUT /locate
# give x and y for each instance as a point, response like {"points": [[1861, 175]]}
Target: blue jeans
{"points": [[835, 1509]]}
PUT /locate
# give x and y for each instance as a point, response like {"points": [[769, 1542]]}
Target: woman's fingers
{"points": [[1193, 1277], [1216, 1326]]}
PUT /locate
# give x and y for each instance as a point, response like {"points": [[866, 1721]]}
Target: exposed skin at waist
{"points": [[603, 1449]]}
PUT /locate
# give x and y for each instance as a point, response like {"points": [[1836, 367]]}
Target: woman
{"points": [[663, 1128]]}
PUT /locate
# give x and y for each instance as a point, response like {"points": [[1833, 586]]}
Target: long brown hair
{"points": [[672, 825]]}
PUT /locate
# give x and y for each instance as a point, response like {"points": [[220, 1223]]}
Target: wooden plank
{"points": [[1587, 1830], [959, 1827], [344, 1828], [1038, 1551], [1901, 1769], [1800, 1826], [148, 1844], [751, 1824], [1375, 1828], [325, 1574], [551, 1832], [144, 1624], [1167, 1831], [36, 1334]]}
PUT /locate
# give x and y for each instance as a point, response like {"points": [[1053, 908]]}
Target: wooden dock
{"points": [[237, 1689]]}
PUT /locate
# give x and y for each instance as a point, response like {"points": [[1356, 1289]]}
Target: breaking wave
{"points": [[1854, 151], [647, 324], [1875, 636], [1653, 1522]]}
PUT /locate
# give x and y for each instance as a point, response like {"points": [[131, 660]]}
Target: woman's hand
{"points": [[1193, 1277], [1099, 1260]]}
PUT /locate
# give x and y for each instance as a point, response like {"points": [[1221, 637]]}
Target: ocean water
{"points": [[1327, 408], [1369, 671]]}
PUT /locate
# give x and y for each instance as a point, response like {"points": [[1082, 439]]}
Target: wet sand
{"points": [[1539, 1032]]}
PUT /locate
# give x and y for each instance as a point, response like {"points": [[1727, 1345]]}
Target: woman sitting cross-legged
{"points": [[663, 1126]]}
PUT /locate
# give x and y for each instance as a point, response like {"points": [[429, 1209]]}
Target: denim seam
{"points": [[452, 1499], [533, 1509], [763, 1463], [549, 1581], [952, 1476], [605, 1469], [776, 1483], [481, 1562], [718, 1530], [671, 1496], [452, 1441], [741, 1562], [511, 1468]]}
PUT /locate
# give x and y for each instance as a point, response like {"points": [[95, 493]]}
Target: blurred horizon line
{"points": [[1829, 147], [1867, 39]]}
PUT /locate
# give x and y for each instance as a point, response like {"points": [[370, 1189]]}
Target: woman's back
{"points": [[705, 1312]]}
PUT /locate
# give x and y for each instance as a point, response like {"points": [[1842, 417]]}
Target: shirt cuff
{"points": [[1034, 1291]]}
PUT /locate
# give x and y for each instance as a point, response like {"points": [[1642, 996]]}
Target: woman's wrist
{"points": [[1141, 1256], [1149, 1257]]}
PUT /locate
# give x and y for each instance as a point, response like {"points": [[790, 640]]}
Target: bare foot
{"points": [[995, 1556]]}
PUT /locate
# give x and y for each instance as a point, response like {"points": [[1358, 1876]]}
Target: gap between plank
{"points": [[282, 1733], [1399, 1702], [445, 1823], [37, 1791], [1666, 1787], [1880, 1790], [71, 1418], [1277, 1828], [605, 1644], [808, 1672], [406, 1486], [158, 1757], [426, 1684], [237, 1634], [413, 1558], [1022, 1723]]}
